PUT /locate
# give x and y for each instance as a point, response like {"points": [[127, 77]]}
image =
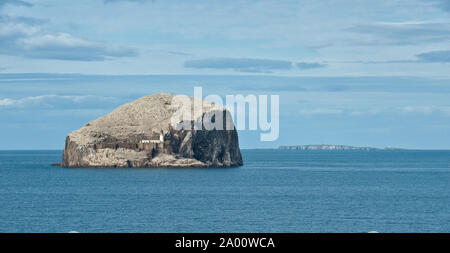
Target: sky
{"points": [[360, 72]]}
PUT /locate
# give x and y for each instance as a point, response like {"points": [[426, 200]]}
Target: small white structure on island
{"points": [[150, 141], [161, 137], [153, 144]]}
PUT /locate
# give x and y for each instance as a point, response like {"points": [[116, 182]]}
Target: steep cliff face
{"points": [[130, 137]]}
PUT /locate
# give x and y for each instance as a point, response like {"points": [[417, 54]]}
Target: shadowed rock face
{"points": [[114, 140]]}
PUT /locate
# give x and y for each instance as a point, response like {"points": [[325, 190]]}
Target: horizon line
{"points": [[278, 148]]}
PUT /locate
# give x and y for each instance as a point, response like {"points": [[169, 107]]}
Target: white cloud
{"points": [[320, 111], [402, 33], [58, 102], [15, 2], [6, 102], [305, 31], [418, 109], [424, 110], [27, 39], [240, 64]]}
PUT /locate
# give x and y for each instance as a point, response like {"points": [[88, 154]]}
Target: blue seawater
{"points": [[275, 191]]}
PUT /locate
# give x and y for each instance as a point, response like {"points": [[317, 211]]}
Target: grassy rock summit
{"points": [[140, 134]]}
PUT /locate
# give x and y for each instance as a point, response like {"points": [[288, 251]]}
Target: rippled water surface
{"points": [[275, 191]]}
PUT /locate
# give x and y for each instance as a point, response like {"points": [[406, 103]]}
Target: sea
{"points": [[274, 191]]}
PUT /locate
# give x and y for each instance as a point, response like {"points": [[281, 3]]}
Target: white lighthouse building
{"points": [[161, 137], [153, 144]]}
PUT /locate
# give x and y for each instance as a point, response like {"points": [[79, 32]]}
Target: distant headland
{"points": [[333, 147]]}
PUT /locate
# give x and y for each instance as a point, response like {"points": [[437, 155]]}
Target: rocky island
{"points": [[140, 134]]}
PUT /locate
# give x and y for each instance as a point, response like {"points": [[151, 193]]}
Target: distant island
{"points": [[333, 147]]}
